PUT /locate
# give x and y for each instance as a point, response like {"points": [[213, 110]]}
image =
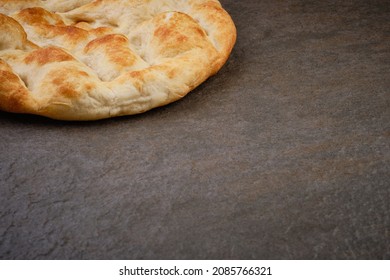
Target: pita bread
{"points": [[89, 60]]}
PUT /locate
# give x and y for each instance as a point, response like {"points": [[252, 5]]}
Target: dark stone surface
{"points": [[284, 154]]}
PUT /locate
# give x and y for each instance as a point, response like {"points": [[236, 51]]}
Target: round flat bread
{"points": [[89, 60]]}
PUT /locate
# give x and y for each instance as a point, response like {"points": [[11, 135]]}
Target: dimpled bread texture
{"points": [[89, 60]]}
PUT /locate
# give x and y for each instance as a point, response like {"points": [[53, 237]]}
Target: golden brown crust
{"points": [[47, 55], [87, 60], [14, 96]]}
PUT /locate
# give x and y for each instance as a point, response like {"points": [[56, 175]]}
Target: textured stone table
{"points": [[284, 154]]}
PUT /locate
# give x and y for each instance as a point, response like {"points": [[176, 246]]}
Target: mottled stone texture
{"points": [[285, 154]]}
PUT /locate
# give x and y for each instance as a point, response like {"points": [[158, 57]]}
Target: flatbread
{"points": [[89, 60]]}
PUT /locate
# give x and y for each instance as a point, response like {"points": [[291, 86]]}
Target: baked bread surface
{"points": [[89, 60]]}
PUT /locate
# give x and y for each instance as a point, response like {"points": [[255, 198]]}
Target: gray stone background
{"points": [[285, 154]]}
